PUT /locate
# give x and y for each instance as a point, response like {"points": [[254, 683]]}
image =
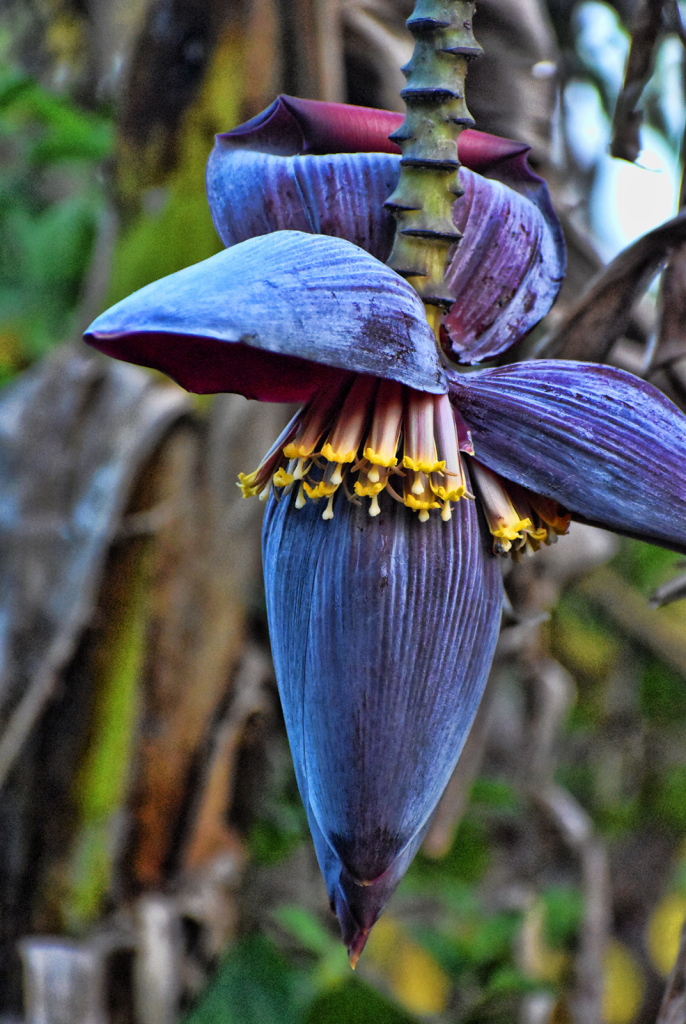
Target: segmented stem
{"points": [[436, 114]]}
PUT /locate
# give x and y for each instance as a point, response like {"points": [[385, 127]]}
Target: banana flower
{"points": [[406, 472]]}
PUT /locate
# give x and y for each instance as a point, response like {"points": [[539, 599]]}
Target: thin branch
{"points": [[626, 126]]}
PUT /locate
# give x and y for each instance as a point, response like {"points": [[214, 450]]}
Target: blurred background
{"points": [[155, 864]]}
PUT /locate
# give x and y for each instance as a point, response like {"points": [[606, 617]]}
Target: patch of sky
{"points": [[626, 200], [666, 90], [588, 126], [602, 43], [629, 200]]}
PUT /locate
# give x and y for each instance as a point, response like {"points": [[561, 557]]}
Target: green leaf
{"points": [[564, 909], [663, 693], [269, 844], [13, 85], [496, 794], [355, 1003], [467, 858], [669, 802], [492, 939], [645, 565], [254, 985], [306, 929], [510, 981], [104, 774]]}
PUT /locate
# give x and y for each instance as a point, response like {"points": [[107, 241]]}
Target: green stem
{"points": [[436, 114]]}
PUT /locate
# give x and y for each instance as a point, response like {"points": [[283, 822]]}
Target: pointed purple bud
{"points": [[379, 688]]}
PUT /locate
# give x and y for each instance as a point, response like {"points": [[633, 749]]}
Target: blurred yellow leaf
{"points": [[585, 647], [420, 984], [412, 974], [623, 985], [11, 357], [664, 930], [539, 959]]}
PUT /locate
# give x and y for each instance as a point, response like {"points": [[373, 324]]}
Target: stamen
{"points": [[384, 436], [434, 438], [421, 498], [504, 522], [322, 489], [254, 483], [451, 484], [328, 485], [315, 417], [282, 478], [364, 488], [551, 512], [345, 439], [420, 446]]}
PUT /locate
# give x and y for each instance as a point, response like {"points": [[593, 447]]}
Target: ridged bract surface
{"points": [[607, 445], [248, 319], [341, 194], [382, 631]]}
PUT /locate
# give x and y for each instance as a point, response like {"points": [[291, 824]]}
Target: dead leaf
{"points": [[206, 571], [210, 836], [602, 314], [629, 611], [74, 432]]}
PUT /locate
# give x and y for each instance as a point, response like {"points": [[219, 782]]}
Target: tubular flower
{"points": [[401, 477]]}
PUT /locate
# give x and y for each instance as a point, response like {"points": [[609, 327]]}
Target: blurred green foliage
{"points": [[257, 984], [52, 197], [625, 761], [563, 913], [280, 825]]}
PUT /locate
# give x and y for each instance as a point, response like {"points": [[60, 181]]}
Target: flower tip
{"points": [[357, 945], [358, 905], [353, 933]]}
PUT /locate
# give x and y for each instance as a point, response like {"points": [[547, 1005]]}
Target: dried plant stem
{"points": [[551, 697]]}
